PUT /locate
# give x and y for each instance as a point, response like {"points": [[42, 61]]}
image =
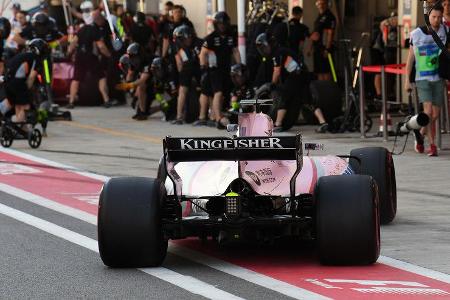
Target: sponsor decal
{"points": [[380, 287], [7, 168], [264, 172], [197, 144], [253, 176]]}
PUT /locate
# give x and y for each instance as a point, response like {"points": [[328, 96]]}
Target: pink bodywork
{"points": [[212, 178]]}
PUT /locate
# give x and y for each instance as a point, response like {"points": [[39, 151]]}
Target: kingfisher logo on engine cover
{"points": [[205, 144]]}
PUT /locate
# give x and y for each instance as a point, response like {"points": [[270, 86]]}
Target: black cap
{"points": [[5, 28], [38, 47], [222, 17], [40, 18]]}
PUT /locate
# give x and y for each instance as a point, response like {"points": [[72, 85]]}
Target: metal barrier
{"points": [[399, 69], [383, 70]]}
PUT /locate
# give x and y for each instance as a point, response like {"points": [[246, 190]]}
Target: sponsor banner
{"points": [[230, 143]]}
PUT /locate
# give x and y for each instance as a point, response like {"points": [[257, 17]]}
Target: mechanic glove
{"points": [[125, 86], [235, 106]]}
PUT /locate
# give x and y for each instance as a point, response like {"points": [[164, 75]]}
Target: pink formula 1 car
{"points": [[250, 186]]}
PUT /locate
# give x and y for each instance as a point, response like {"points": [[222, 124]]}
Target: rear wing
{"points": [[182, 149]]}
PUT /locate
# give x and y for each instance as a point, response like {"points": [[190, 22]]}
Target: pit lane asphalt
{"points": [[38, 265], [108, 142]]}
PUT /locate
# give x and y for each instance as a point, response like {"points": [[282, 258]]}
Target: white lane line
{"points": [[432, 274], [243, 273], [188, 283], [48, 227], [414, 269], [239, 272], [41, 201], [54, 164]]}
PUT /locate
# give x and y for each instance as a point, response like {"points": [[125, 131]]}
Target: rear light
{"points": [[233, 205]]}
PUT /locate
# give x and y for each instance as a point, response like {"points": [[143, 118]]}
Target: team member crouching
{"points": [[138, 75], [21, 72], [285, 79], [241, 88], [188, 65], [150, 82], [165, 88]]}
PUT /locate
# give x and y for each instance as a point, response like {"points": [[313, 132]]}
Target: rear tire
{"points": [[378, 163], [347, 220], [129, 223]]}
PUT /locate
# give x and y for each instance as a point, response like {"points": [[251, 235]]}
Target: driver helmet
{"points": [[263, 45], [125, 63], [157, 68], [39, 47], [183, 35], [40, 18], [133, 49], [134, 53], [238, 73]]}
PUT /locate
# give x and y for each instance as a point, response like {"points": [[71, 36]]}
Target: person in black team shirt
{"points": [[138, 76], [5, 30], [142, 33], [41, 27], [215, 63], [87, 44], [164, 19], [21, 71], [298, 32], [285, 79], [108, 71], [178, 18], [188, 66], [241, 90], [322, 37], [150, 82]]}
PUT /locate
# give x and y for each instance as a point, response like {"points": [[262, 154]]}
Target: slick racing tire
{"points": [[129, 223], [378, 163], [347, 220]]}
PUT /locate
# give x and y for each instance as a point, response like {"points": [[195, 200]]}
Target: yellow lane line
{"points": [[113, 132]]}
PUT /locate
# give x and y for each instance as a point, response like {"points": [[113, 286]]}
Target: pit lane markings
{"points": [[242, 273], [294, 277], [187, 283], [114, 132]]}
